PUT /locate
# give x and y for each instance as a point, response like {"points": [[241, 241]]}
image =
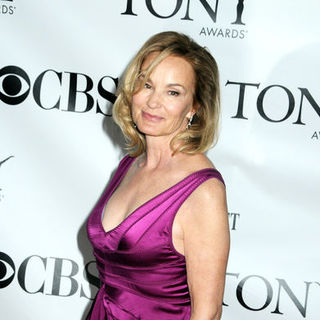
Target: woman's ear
{"points": [[193, 110]]}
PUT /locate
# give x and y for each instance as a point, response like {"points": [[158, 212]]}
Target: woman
{"points": [[160, 230]]}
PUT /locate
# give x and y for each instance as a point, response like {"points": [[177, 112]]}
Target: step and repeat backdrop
{"points": [[60, 62]]}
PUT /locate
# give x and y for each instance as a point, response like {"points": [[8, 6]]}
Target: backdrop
{"points": [[59, 66]]}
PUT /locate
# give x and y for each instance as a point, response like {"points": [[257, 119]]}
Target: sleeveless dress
{"points": [[142, 275]]}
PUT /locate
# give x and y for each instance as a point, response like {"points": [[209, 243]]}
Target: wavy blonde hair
{"points": [[202, 134]]}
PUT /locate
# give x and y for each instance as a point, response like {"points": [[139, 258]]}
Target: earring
{"points": [[189, 123]]}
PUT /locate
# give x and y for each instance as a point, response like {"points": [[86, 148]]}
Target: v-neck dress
{"points": [[142, 275]]}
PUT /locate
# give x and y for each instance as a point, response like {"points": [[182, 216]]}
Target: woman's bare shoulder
{"points": [[196, 162], [210, 196]]}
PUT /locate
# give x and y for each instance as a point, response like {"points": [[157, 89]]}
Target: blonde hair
{"points": [[202, 133]]}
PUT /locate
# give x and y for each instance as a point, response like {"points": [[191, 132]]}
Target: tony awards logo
{"points": [[185, 14], [210, 12]]}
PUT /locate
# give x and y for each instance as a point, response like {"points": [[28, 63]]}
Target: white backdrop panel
{"points": [[55, 162]]}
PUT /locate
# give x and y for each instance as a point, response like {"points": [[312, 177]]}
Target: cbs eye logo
{"points": [[6, 275], [14, 85]]}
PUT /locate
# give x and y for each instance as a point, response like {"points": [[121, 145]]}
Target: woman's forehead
{"points": [[171, 66]]}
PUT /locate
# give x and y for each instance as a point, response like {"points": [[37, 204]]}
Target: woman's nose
{"points": [[154, 99]]}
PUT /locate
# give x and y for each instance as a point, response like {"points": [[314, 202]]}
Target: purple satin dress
{"points": [[142, 275]]}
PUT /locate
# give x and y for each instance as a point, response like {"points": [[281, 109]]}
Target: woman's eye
{"points": [[173, 93], [147, 85]]}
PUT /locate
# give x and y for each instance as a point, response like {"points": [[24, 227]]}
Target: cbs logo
{"points": [[15, 85]]}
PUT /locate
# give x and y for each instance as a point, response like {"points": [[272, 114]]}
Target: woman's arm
{"points": [[206, 248]]}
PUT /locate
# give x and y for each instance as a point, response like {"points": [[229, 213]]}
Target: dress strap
{"points": [[122, 169], [184, 189]]}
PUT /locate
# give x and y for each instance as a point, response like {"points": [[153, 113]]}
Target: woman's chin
{"points": [[151, 133], [151, 130]]}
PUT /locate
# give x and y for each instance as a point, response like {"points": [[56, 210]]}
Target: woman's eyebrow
{"points": [[176, 85]]}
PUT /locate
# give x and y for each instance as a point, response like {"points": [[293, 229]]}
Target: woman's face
{"points": [[165, 103]]}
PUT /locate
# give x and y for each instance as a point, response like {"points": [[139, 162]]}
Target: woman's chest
{"points": [[130, 196], [139, 194]]}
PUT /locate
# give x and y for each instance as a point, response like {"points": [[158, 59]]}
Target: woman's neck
{"points": [[158, 153]]}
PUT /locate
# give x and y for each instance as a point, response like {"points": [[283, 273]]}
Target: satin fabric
{"points": [[142, 275]]}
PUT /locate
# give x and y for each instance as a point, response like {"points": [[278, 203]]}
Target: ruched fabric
{"points": [[142, 275]]}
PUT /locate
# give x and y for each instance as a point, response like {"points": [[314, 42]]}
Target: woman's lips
{"points": [[151, 117]]}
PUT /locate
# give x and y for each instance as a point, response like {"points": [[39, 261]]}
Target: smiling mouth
{"points": [[151, 117]]}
